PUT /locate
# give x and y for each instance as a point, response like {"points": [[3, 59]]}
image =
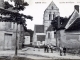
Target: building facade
{"points": [[39, 35], [27, 38], [69, 37], [10, 32], [47, 35], [8, 35]]}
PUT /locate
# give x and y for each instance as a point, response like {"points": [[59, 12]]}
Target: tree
{"points": [[54, 23], [58, 23], [15, 17]]}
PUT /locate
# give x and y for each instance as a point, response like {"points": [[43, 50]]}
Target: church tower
{"points": [[49, 14]]}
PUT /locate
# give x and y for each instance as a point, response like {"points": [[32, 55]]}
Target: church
{"points": [[44, 33]]}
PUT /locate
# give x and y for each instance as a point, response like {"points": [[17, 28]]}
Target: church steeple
{"points": [[52, 6]]}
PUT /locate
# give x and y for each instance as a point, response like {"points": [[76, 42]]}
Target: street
{"points": [[39, 54], [35, 53]]}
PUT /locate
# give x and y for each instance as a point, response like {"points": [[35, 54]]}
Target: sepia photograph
{"points": [[39, 29]]}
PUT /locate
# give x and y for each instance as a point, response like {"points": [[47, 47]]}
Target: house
{"points": [[69, 34], [8, 35], [27, 38], [31, 35], [9, 32], [42, 34], [39, 35]]}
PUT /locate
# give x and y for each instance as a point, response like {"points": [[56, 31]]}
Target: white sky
{"points": [[36, 10]]}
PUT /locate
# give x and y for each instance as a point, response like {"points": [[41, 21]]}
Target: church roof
{"points": [[39, 28], [50, 28], [52, 6]]}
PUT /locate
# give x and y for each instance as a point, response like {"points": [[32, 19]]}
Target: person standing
{"points": [[45, 48], [61, 49], [64, 51], [51, 48], [48, 48]]}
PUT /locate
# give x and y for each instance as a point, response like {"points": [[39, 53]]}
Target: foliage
{"points": [[15, 16], [7, 5], [54, 23], [62, 22], [20, 4]]}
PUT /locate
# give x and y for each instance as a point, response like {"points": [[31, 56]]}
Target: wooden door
{"points": [[8, 41]]}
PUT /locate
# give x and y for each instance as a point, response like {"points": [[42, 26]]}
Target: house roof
{"points": [[27, 34], [74, 16], [39, 28], [41, 37], [75, 26]]}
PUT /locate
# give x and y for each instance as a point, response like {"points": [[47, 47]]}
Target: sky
{"points": [[36, 9]]}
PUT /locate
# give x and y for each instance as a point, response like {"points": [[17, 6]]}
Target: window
{"points": [[11, 25], [53, 16], [52, 7], [49, 16], [48, 35]]}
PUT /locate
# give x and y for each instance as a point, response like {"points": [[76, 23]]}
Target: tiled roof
{"points": [[27, 34], [40, 37], [74, 16], [75, 26], [39, 28]]}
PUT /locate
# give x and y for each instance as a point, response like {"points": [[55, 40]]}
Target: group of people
{"points": [[50, 47], [47, 48]]}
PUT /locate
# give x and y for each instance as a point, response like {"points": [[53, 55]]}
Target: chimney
{"points": [[76, 7]]}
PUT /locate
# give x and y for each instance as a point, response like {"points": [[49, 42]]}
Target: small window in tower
{"points": [[50, 16], [52, 7], [53, 16]]}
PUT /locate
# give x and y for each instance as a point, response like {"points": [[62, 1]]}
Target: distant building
{"points": [[27, 38], [39, 35]]}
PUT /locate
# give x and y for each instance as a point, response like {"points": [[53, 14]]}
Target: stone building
{"points": [[39, 35], [8, 32], [42, 31], [70, 35]]}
